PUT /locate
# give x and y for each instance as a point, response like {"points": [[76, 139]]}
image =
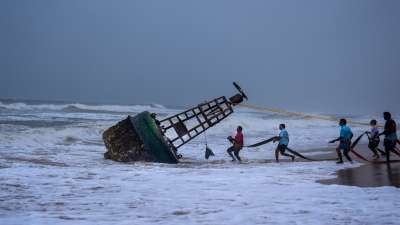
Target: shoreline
{"points": [[368, 174]]}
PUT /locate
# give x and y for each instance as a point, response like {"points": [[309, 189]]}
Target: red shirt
{"points": [[239, 139]]}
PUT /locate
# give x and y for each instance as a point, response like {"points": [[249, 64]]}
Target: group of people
{"points": [[345, 140]]}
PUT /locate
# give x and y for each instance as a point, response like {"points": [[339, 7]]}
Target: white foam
{"points": [[224, 193], [111, 108]]}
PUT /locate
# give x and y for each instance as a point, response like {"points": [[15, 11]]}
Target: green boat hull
{"points": [[154, 142], [138, 138]]}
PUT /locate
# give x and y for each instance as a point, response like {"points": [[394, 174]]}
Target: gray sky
{"points": [[330, 56]]}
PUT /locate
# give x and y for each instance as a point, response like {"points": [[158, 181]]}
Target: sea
{"points": [[52, 171]]}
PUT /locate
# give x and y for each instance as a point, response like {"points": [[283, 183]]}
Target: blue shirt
{"points": [[345, 133], [284, 137]]}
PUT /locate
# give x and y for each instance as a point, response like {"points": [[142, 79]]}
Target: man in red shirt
{"points": [[237, 144]]}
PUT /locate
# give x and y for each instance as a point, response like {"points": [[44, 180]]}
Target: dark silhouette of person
{"points": [[390, 133]]}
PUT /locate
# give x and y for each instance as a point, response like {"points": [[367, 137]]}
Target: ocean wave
{"points": [[36, 123], [52, 137], [78, 107]]}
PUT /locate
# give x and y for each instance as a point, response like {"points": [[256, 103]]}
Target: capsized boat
{"points": [[145, 138]]}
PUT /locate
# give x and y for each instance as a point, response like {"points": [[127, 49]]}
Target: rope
{"points": [[290, 150], [395, 151], [299, 155], [359, 155], [260, 143], [357, 140], [205, 138]]}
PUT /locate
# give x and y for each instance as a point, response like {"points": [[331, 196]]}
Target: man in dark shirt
{"points": [[390, 133]]}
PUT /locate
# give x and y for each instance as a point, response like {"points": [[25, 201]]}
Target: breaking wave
{"points": [[78, 107]]}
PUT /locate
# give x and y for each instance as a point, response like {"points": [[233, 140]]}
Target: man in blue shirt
{"points": [[345, 141], [283, 139]]}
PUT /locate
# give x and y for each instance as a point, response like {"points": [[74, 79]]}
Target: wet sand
{"points": [[377, 174], [370, 174]]}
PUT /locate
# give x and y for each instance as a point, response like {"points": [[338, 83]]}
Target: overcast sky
{"points": [[331, 56]]}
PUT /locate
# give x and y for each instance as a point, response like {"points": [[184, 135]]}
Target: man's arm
{"points": [[368, 133], [335, 140], [386, 129], [277, 138], [231, 139]]}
